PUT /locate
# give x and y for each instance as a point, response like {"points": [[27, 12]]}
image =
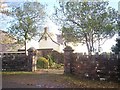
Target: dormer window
{"points": [[45, 38]]}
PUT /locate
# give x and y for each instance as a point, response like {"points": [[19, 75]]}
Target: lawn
{"points": [[50, 79]]}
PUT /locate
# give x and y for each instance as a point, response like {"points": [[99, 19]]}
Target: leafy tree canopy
{"points": [[27, 19], [87, 22]]}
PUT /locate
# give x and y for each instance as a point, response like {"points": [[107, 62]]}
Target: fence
{"points": [[18, 61], [102, 67], [13, 61]]}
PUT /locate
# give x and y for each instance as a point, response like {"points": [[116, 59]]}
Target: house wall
{"points": [[78, 48], [32, 43], [46, 44]]}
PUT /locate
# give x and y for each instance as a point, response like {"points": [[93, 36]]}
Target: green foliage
{"points": [[69, 34], [42, 63], [26, 21], [52, 63], [15, 73], [56, 66], [86, 22], [51, 60], [116, 48]]}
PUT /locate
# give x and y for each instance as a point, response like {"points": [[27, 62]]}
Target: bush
{"points": [[42, 63], [53, 64], [51, 60], [57, 66]]}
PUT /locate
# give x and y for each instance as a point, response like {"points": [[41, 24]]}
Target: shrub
{"points": [[42, 63], [51, 60], [53, 64], [57, 66]]}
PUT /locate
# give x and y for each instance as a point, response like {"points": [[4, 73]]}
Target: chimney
{"points": [[45, 30]]}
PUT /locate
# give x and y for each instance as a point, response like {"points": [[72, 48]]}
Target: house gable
{"points": [[48, 40]]}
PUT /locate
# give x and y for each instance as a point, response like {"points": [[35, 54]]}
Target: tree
{"points": [[116, 48], [27, 20], [88, 22]]}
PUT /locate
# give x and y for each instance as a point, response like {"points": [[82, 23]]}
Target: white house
{"points": [[49, 40]]}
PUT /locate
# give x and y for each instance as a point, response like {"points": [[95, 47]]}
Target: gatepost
{"points": [[68, 51], [32, 59]]}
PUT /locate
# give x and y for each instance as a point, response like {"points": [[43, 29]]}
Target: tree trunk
{"points": [[98, 44], [25, 47], [88, 48], [87, 44]]}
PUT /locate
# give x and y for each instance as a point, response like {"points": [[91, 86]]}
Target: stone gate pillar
{"points": [[32, 59], [68, 51]]}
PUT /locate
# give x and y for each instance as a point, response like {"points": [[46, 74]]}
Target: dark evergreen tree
{"points": [[116, 48]]}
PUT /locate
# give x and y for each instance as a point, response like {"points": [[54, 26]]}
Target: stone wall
{"points": [[102, 67], [18, 61], [13, 61]]}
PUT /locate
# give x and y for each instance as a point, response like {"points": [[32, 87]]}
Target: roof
{"points": [[6, 38], [7, 42], [45, 34]]}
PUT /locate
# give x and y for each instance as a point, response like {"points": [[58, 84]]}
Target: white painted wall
{"points": [[32, 43], [80, 48], [45, 44]]}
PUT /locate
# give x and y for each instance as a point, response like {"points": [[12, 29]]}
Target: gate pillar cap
{"points": [[68, 48], [31, 49]]}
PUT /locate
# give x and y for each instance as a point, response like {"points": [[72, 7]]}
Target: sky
{"points": [[52, 27], [51, 3], [49, 9]]}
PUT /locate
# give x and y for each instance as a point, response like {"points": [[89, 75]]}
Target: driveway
{"points": [[49, 79], [39, 79]]}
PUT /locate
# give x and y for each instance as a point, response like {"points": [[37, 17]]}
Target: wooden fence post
{"points": [[68, 51], [32, 59]]}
